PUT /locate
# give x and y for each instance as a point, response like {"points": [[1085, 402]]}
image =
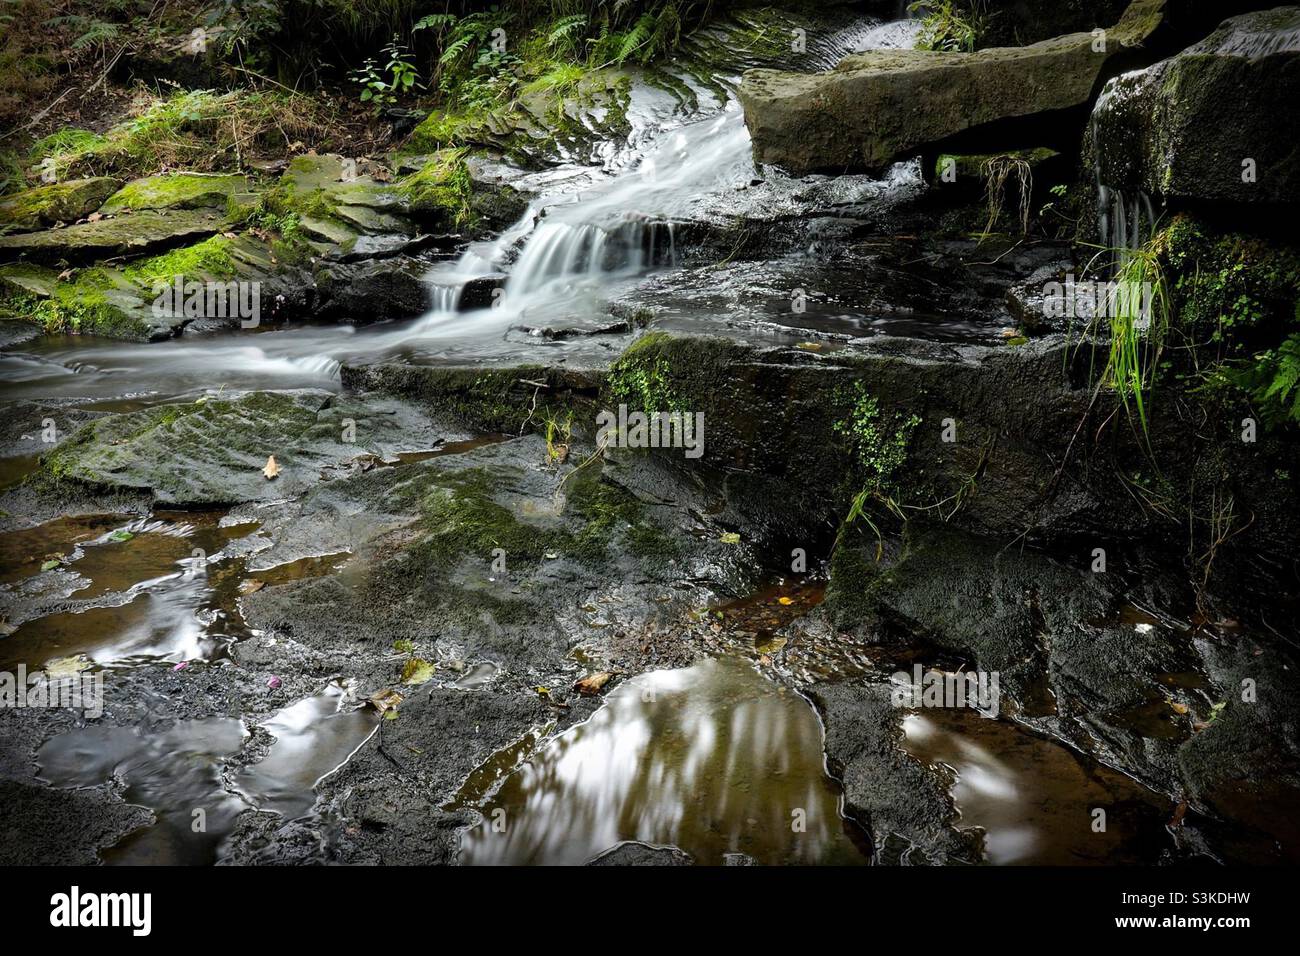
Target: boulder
{"points": [[1167, 130], [43, 206], [879, 107]]}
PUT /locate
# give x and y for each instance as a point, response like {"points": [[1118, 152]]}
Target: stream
{"points": [[722, 759]]}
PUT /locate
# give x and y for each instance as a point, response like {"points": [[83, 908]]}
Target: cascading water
{"points": [[590, 230], [624, 225]]}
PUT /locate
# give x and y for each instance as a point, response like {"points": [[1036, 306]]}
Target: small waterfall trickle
{"points": [[1125, 222]]}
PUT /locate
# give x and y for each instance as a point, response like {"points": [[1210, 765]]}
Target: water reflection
{"points": [[176, 773], [713, 759], [1035, 799]]}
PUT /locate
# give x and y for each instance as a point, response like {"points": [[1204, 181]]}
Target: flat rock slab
{"points": [[213, 452], [177, 191], [883, 106], [136, 234]]}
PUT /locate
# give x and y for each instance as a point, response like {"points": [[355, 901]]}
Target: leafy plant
{"points": [[1273, 381], [950, 25], [383, 86]]}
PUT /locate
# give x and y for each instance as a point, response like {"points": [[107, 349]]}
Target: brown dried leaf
{"points": [[271, 469], [591, 685], [385, 700]]}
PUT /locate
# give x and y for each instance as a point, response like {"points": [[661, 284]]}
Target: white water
{"points": [[591, 229]]}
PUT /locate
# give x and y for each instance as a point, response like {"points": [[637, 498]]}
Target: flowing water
{"points": [[718, 758]]}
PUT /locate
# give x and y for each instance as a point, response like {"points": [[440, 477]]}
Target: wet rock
{"points": [[429, 570], [43, 206], [99, 300], [1162, 131], [212, 451], [1077, 661], [45, 827], [372, 290], [903, 805], [633, 853], [856, 116]]}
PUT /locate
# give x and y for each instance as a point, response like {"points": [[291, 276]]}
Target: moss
{"points": [[209, 259], [176, 191], [460, 517], [198, 129], [85, 304], [441, 189], [855, 580], [609, 510], [1231, 289], [642, 378], [56, 202]]}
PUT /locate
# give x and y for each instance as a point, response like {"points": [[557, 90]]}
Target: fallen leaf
{"points": [[95, 217], [66, 274], [385, 700], [1178, 708], [121, 535], [417, 671], [274, 683], [271, 469], [51, 565], [251, 586], [543, 691], [730, 537], [785, 600], [1179, 812], [590, 686]]}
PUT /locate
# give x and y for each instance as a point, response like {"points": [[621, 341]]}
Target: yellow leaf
{"points": [[417, 671], [785, 600]]}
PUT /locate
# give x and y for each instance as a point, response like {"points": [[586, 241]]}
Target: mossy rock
{"points": [[177, 191], [43, 206], [99, 301], [136, 234], [850, 117], [1164, 130]]}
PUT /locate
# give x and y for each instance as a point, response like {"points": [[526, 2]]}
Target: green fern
{"points": [[565, 32], [1274, 382]]}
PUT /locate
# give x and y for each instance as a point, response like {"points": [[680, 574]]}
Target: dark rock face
{"points": [[1163, 130], [1192, 714]]}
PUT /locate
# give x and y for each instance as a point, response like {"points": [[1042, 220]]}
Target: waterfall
{"points": [[616, 226]]}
